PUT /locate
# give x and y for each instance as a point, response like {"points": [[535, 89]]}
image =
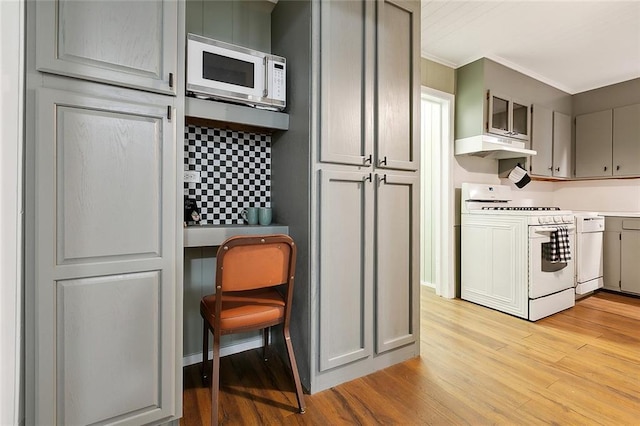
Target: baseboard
{"points": [[427, 284], [224, 351]]}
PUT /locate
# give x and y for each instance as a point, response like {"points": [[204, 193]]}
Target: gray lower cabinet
{"points": [[368, 264], [621, 248], [105, 287], [131, 44]]}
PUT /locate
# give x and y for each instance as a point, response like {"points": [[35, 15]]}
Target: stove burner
{"points": [[521, 208]]}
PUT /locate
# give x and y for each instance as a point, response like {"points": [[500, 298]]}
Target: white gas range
{"points": [[516, 259]]}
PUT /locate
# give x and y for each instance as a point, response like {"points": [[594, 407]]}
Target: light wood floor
{"points": [[477, 366]]}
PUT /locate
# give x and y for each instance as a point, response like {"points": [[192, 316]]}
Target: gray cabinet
{"points": [[346, 285], [608, 142], [594, 144], [105, 258], [353, 97], [508, 117], [626, 141], [551, 139], [132, 44], [352, 190], [621, 248]]}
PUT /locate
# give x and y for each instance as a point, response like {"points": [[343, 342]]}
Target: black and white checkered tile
{"points": [[235, 171]]}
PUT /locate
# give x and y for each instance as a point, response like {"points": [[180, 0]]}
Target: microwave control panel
{"points": [[278, 74]]}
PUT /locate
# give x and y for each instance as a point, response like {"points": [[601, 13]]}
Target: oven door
{"points": [[545, 277]]}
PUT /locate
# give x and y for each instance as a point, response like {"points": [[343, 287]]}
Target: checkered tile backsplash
{"points": [[235, 171]]}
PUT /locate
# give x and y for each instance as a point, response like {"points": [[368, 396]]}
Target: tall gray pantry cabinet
{"points": [[346, 180], [103, 233]]}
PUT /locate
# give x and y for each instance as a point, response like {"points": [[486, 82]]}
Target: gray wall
{"points": [[615, 95]]}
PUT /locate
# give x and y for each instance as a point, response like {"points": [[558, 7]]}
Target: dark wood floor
{"points": [[477, 366]]}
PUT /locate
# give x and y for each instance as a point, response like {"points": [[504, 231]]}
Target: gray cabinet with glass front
{"points": [[508, 117]]}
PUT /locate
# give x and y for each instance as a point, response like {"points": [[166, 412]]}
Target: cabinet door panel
{"points": [[593, 144], [396, 261], [345, 280], [398, 85], [626, 141], [542, 141], [106, 301], [346, 59], [131, 44], [629, 265], [561, 145], [611, 259]]}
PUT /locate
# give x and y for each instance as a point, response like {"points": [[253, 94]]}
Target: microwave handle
{"points": [[265, 90]]}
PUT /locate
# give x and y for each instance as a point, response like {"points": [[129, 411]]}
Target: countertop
{"points": [[214, 235], [620, 214]]}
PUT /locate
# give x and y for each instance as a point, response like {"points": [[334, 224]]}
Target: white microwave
{"points": [[224, 71]]}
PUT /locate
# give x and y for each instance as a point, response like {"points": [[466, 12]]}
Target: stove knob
{"points": [[557, 219], [567, 219], [544, 219]]}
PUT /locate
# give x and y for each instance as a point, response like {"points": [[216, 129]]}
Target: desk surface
{"points": [[214, 235]]}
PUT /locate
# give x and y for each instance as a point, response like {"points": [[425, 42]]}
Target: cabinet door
{"points": [[131, 44], [520, 120], [106, 289], [398, 84], [397, 261], [345, 265], [561, 145], [611, 260], [629, 265], [593, 144], [542, 141], [346, 90], [626, 141]]}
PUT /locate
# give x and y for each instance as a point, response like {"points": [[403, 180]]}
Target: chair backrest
{"points": [[250, 262]]}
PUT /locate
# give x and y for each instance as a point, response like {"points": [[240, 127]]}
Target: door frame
{"points": [[442, 194]]}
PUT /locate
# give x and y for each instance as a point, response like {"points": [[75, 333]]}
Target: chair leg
{"points": [[265, 342], [215, 379], [205, 352], [294, 369]]}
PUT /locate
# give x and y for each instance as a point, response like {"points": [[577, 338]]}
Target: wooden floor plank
{"points": [[477, 366]]}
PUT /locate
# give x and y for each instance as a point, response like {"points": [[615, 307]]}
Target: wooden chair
{"points": [[254, 291]]}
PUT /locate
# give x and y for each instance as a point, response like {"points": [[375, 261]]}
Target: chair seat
{"points": [[248, 310]]}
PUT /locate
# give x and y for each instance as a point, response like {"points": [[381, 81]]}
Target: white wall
{"points": [[11, 102], [612, 195]]}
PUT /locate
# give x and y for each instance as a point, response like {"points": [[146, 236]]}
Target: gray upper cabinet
{"points": [[131, 44], [508, 117], [398, 85], [594, 144], [542, 141], [361, 111], [626, 141], [551, 139], [561, 145], [105, 258], [346, 69]]}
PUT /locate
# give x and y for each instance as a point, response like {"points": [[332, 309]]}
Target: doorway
{"points": [[436, 212]]}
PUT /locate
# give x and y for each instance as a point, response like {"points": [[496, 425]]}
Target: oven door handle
{"points": [[552, 228]]}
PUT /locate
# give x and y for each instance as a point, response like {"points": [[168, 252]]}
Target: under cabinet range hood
{"points": [[492, 147]]}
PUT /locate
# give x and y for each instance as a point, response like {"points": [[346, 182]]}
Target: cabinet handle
{"points": [[605, 168], [383, 161], [367, 178], [550, 168], [367, 159], [381, 179], [617, 167], [557, 169], [171, 80]]}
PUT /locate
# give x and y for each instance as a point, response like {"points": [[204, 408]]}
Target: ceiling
{"points": [[574, 46]]}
